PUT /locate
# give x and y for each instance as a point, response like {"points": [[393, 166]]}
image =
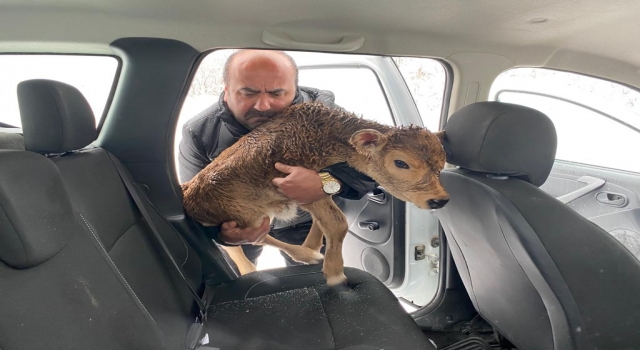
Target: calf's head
{"points": [[406, 162]]}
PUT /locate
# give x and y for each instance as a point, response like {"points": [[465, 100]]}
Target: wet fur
{"points": [[237, 186]]}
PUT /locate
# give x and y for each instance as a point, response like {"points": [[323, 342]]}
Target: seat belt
{"points": [[193, 335]]}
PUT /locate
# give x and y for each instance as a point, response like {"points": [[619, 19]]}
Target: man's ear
{"points": [[368, 141], [226, 92]]}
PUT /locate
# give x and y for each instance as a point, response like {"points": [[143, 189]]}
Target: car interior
{"points": [[537, 248]]}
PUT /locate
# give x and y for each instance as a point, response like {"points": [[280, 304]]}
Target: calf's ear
{"points": [[368, 141]]}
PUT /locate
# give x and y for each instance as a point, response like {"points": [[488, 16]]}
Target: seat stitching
{"points": [[324, 311], [121, 236], [146, 222], [116, 268]]}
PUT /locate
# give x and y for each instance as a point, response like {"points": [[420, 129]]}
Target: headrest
{"points": [[502, 138], [56, 117], [36, 219]]}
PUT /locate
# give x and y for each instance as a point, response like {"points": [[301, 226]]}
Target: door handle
{"points": [[613, 199], [379, 198], [592, 184], [369, 225]]}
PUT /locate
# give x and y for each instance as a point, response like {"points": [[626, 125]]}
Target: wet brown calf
{"points": [[236, 186]]}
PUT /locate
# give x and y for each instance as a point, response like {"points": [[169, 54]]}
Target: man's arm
{"points": [[354, 183], [305, 186], [192, 157]]}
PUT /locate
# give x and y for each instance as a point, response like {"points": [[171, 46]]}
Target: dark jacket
{"points": [[215, 129]]}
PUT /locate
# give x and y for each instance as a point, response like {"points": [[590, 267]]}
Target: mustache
{"points": [[254, 113]]}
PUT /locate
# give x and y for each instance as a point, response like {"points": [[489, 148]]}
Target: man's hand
{"points": [[230, 233], [301, 184]]}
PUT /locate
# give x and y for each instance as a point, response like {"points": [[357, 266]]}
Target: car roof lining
{"points": [[577, 36]]}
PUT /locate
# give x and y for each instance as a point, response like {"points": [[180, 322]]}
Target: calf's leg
{"points": [[333, 224], [314, 239], [296, 252], [237, 255]]}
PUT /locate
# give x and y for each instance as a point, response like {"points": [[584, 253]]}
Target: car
{"points": [[146, 68]]}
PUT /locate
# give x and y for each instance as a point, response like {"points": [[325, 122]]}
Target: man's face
{"points": [[260, 84]]}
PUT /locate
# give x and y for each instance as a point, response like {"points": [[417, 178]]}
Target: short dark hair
{"points": [[225, 72]]}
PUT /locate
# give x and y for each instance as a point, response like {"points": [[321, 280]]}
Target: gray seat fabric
{"points": [[540, 273], [58, 290], [50, 110], [97, 192], [293, 309], [11, 141], [367, 314]]}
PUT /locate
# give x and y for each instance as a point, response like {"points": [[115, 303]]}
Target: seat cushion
{"points": [[293, 308]]}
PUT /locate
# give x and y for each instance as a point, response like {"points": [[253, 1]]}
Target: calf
{"points": [[237, 186]]}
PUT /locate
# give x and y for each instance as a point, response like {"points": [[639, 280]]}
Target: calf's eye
{"points": [[401, 164]]}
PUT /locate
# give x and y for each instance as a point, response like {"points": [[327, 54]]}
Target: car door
{"points": [[395, 241], [597, 167], [372, 87], [607, 197]]}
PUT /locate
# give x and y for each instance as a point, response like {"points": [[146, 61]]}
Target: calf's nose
{"points": [[437, 203]]}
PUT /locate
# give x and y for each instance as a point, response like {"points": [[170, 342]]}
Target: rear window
{"points": [[92, 75], [597, 121]]}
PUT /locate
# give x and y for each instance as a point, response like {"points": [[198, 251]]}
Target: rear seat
{"points": [[56, 127], [11, 140], [279, 309], [58, 291]]}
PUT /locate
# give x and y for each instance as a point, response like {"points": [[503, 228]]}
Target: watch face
{"points": [[331, 187]]}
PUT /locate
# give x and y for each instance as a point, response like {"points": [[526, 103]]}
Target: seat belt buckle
{"points": [[193, 335]]}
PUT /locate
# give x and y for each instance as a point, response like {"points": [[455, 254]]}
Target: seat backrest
{"points": [[11, 140], [58, 290], [540, 273], [60, 126]]}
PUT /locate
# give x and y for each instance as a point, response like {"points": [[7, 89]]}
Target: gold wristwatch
{"points": [[330, 185]]}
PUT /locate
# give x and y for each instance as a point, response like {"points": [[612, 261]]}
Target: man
{"points": [[258, 84]]}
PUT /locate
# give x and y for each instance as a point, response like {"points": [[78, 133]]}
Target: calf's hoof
{"points": [[336, 280]]}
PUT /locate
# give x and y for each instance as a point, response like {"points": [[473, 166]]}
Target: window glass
{"points": [[356, 89], [426, 80], [92, 75], [597, 121], [584, 136]]}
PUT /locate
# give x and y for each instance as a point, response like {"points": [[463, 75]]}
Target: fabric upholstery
{"points": [[130, 243], [11, 141], [69, 300], [56, 117], [35, 211], [502, 138], [601, 275], [540, 273], [294, 309]]}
